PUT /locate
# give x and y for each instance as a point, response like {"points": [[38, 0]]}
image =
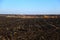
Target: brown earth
{"points": [[41, 28]]}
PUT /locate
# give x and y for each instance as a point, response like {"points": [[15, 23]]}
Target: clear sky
{"points": [[29, 6]]}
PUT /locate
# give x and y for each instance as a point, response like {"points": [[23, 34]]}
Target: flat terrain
{"points": [[39, 28]]}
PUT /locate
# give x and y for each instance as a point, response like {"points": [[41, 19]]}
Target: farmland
{"points": [[38, 27]]}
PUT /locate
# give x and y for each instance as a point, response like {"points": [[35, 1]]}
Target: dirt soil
{"points": [[29, 28]]}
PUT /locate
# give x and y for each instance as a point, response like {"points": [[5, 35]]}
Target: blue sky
{"points": [[29, 6]]}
